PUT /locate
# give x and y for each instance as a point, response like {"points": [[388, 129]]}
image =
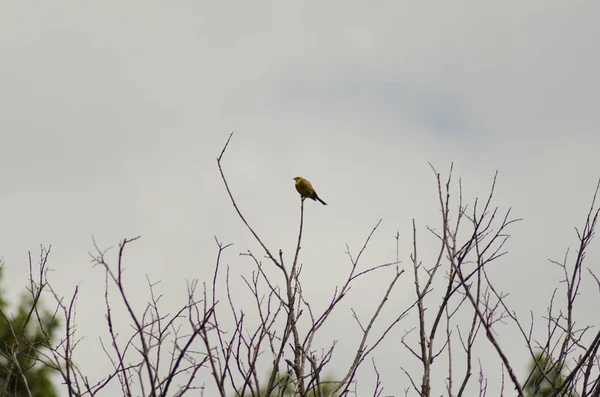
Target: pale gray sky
{"points": [[113, 114]]}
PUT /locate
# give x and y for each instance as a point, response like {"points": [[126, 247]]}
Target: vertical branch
{"points": [[68, 343], [297, 253], [449, 347], [291, 297], [425, 380], [426, 340], [291, 284]]}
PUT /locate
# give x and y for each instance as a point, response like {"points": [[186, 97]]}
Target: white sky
{"points": [[113, 114]]}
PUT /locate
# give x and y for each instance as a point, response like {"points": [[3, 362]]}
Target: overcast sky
{"points": [[113, 114]]}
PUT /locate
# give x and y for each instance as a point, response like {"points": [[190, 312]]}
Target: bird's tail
{"points": [[320, 201]]}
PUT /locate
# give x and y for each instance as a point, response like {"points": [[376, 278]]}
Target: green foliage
{"points": [[284, 387], [546, 377], [23, 334]]}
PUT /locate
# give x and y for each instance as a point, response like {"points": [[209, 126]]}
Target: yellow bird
{"points": [[306, 190]]}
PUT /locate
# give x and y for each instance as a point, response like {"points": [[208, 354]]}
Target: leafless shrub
{"points": [[211, 339]]}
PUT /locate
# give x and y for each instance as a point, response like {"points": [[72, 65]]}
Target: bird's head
{"points": [[298, 179]]}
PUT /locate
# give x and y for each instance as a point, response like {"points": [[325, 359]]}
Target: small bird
{"points": [[306, 190]]}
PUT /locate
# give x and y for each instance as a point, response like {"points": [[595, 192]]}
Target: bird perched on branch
{"points": [[306, 190]]}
